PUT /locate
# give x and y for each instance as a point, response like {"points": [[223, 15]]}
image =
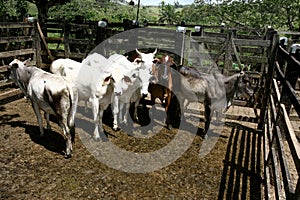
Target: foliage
{"points": [[21, 8], [69, 10], [280, 14], [93, 10], [168, 14]]}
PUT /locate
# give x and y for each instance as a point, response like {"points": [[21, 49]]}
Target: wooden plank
{"points": [[266, 143], [276, 91], [268, 79], [6, 84], [16, 53], [55, 39], [15, 39], [8, 25], [288, 32], [276, 175], [3, 68], [79, 41], [205, 39], [286, 176], [293, 97], [259, 43], [44, 41], [215, 35], [297, 190], [249, 37], [291, 138], [61, 54], [254, 59], [10, 93]]}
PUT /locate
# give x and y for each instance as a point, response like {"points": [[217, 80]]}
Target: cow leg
{"points": [[167, 104], [67, 136], [208, 115], [86, 108], [39, 117], [63, 112], [135, 115], [101, 111], [47, 117], [115, 113], [122, 119], [95, 103]]}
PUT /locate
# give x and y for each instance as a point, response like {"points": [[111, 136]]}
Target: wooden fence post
{"points": [[67, 30], [273, 36], [291, 75], [187, 46], [37, 46], [228, 51]]}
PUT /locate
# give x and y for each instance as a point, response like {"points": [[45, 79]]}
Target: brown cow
{"points": [[162, 89]]}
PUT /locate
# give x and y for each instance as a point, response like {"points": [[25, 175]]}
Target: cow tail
{"points": [[73, 96]]}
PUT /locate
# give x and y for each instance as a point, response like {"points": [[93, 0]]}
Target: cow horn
{"points": [[138, 51], [155, 51]]}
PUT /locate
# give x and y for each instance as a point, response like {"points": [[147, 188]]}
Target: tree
{"points": [[21, 8], [43, 7], [168, 13]]}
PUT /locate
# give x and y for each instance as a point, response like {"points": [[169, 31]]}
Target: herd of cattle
{"points": [[118, 82]]}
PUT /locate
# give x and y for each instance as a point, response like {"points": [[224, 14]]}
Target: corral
{"points": [[254, 157]]}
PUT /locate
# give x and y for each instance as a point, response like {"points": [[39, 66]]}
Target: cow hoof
{"points": [[67, 156], [116, 128], [97, 139], [168, 127]]}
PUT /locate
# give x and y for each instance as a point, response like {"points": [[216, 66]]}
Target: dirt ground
{"points": [[33, 167]]}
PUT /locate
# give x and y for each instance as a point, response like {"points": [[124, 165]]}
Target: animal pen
{"points": [[274, 142]]}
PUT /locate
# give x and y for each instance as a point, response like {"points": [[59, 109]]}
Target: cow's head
{"points": [[122, 79], [17, 69], [145, 77], [244, 88], [103, 82], [138, 62], [147, 58]]}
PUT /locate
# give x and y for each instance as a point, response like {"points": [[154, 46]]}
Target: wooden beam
{"points": [[16, 53], [44, 41], [15, 39]]}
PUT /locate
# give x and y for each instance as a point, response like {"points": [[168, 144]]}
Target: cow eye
{"points": [[127, 79]]}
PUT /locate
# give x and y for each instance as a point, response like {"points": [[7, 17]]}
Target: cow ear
{"points": [[242, 73], [14, 66], [127, 80], [15, 61], [27, 62], [106, 81]]}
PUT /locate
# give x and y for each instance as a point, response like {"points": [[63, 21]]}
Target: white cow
{"points": [[94, 85], [125, 92], [50, 93], [148, 59], [66, 67], [92, 82]]}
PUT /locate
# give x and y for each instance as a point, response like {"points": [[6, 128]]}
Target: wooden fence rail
{"points": [[17, 40], [281, 147]]}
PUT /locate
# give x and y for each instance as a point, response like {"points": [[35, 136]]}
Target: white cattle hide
{"points": [[50, 93]]}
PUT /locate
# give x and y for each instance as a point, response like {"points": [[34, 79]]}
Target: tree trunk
{"points": [[42, 18]]}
